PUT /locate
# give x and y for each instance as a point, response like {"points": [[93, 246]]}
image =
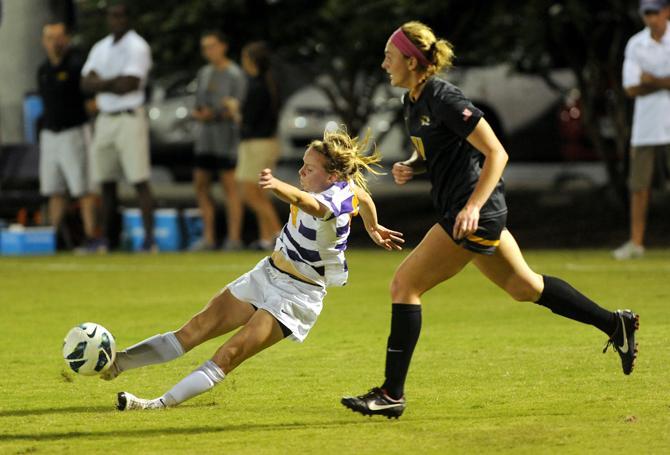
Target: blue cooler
{"points": [[132, 234], [166, 229], [193, 226], [20, 241]]}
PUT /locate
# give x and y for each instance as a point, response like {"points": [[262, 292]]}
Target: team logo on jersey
{"points": [[62, 76], [424, 120], [467, 113]]}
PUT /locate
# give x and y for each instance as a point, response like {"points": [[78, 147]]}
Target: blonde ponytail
{"points": [[439, 52], [346, 156]]}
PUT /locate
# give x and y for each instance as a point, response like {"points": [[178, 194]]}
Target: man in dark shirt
{"points": [[64, 162]]}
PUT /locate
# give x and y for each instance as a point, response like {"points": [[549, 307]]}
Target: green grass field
{"points": [[489, 374]]}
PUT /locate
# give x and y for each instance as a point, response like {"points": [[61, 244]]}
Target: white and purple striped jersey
{"points": [[316, 246]]}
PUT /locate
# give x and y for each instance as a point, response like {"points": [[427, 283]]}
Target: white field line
{"points": [[634, 267]]}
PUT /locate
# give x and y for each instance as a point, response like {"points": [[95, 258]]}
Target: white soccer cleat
{"points": [[628, 250], [129, 402]]}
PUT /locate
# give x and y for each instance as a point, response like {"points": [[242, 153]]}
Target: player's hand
{"points": [[386, 238], [402, 173], [467, 222], [266, 180]]}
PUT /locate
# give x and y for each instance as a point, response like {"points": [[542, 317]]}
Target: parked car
{"points": [[171, 128], [521, 108]]}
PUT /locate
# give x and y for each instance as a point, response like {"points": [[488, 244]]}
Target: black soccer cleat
{"points": [[375, 402], [121, 401], [623, 339]]}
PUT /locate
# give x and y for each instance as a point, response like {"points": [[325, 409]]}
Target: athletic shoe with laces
{"points": [[375, 402], [623, 339], [126, 401], [628, 250]]}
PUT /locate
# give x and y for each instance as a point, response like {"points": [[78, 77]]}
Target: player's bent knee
{"points": [[402, 290]]}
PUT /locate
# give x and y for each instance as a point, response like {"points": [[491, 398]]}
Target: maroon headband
{"points": [[406, 47]]}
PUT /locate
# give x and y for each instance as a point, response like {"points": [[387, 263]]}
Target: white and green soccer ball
{"points": [[89, 349]]}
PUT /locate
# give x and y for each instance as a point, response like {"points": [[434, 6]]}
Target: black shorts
{"points": [[485, 239], [213, 163]]}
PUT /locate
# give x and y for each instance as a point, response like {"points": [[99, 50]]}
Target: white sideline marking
{"points": [[70, 267]]}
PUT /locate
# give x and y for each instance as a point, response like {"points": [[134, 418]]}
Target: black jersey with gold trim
{"points": [[438, 124]]}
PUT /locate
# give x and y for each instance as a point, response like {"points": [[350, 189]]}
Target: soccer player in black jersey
{"points": [[464, 159]]}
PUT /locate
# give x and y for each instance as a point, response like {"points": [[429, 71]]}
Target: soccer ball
{"points": [[89, 349]]}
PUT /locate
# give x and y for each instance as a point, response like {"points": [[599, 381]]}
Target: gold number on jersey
{"points": [[418, 145]]}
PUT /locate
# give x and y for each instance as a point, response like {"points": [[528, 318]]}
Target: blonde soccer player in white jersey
{"points": [[283, 295]]}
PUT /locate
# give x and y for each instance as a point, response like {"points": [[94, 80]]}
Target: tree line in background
{"points": [[343, 40]]}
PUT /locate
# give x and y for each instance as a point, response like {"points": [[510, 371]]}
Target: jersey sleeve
{"points": [[453, 110], [339, 199]]}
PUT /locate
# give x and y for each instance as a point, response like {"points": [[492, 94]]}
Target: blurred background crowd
{"points": [[546, 73]]}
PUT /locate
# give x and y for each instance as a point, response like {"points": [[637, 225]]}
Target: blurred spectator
{"points": [[259, 148], [116, 71], [221, 87], [64, 139], [646, 77]]}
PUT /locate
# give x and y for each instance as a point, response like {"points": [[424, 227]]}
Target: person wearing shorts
{"points": [[646, 77], [116, 71], [464, 160], [220, 89], [283, 295], [64, 163], [259, 148]]}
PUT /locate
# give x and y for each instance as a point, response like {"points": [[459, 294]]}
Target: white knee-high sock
{"points": [[199, 381], [157, 349]]}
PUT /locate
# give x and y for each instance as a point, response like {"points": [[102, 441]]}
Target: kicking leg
{"points": [[222, 314], [508, 269], [260, 332]]}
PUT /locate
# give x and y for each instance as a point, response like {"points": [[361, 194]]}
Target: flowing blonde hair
{"points": [[439, 52], [346, 158]]}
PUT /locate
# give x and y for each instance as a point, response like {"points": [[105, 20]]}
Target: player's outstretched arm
{"points": [[288, 193], [385, 238]]}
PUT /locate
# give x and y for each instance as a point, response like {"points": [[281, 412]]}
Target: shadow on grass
{"points": [[161, 432]]}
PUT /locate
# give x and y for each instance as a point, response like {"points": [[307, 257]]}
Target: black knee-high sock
{"points": [[563, 299], [405, 329]]}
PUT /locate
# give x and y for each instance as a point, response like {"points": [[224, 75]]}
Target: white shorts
{"points": [[293, 303], [64, 163], [121, 147]]}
